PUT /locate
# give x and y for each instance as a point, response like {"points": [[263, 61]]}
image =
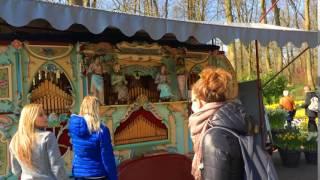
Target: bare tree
{"points": [[307, 26], [231, 46], [276, 12], [166, 9], [264, 21]]}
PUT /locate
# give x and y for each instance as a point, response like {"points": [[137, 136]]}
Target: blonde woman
{"points": [[35, 153], [93, 154]]}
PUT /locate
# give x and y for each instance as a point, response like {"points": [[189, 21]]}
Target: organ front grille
{"points": [[141, 126]]}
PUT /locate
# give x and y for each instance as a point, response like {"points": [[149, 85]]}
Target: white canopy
{"points": [[20, 13]]}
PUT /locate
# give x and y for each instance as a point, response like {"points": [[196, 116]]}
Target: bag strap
{"points": [[250, 140], [225, 129]]}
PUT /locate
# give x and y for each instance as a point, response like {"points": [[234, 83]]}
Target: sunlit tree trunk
{"points": [[231, 47], [156, 8], [203, 9], [308, 53], [191, 9], [76, 2], [166, 9], [250, 62], [264, 21], [94, 3], [276, 12]]}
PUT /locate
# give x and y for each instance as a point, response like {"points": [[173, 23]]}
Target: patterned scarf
{"points": [[198, 125]]}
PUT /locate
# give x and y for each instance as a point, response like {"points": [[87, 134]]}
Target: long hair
{"points": [[23, 140], [90, 111]]}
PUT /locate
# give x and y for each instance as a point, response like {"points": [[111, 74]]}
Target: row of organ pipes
{"points": [[51, 97], [135, 92], [140, 130]]}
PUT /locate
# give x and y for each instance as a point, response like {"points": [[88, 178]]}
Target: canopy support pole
{"points": [[260, 99], [318, 84]]}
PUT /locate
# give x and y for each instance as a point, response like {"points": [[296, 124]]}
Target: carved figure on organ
{"points": [[163, 81], [181, 77], [119, 82], [96, 88]]}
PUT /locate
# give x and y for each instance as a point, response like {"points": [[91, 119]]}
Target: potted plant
{"points": [[289, 143], [310, 147]]}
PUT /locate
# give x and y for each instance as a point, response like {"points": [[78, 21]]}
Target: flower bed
{"points": [[291, 141]]}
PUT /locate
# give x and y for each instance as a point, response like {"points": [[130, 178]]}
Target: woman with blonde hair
{"points": [[93, 153], [34, 153], [217, 152]]}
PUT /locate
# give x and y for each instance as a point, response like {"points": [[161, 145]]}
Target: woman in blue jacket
{"points": [[93, 154]]}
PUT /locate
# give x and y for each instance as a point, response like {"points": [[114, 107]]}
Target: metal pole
{"points": [[260, 101], [318, 83], [273, 5]]}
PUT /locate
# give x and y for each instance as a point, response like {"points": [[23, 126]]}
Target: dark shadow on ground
{"points": [[303, 172]]}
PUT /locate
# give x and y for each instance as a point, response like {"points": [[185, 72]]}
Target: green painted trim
{"points": [[75, 80], [179, 120], [190, 143], [24, 60], [132, 146], [118, 115]]}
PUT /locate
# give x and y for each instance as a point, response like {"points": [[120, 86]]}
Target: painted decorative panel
{"points": [[48, 52], [5, 82], [4, 160], [4, 57]]}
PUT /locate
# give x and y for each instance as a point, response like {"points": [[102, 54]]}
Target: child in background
{"points": [[287, 103]]}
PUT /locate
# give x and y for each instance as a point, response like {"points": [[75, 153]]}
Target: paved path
{"points": [[303, 172]]}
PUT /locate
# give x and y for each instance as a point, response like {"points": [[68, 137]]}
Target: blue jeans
{"points": [[290, 117]]}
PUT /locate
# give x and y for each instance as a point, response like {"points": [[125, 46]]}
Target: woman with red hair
{"points": [[217, 152]]}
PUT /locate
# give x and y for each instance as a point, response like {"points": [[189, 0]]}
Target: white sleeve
{"points": [[55, 159], [15, 166]]}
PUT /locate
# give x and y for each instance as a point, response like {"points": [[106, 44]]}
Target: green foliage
{"points": [[277, 118], [273, 91]]}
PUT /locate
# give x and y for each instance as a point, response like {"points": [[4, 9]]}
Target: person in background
{"points": [[34, 153], [217, 153], [93, 153], [287, 103], [312, 115]]}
